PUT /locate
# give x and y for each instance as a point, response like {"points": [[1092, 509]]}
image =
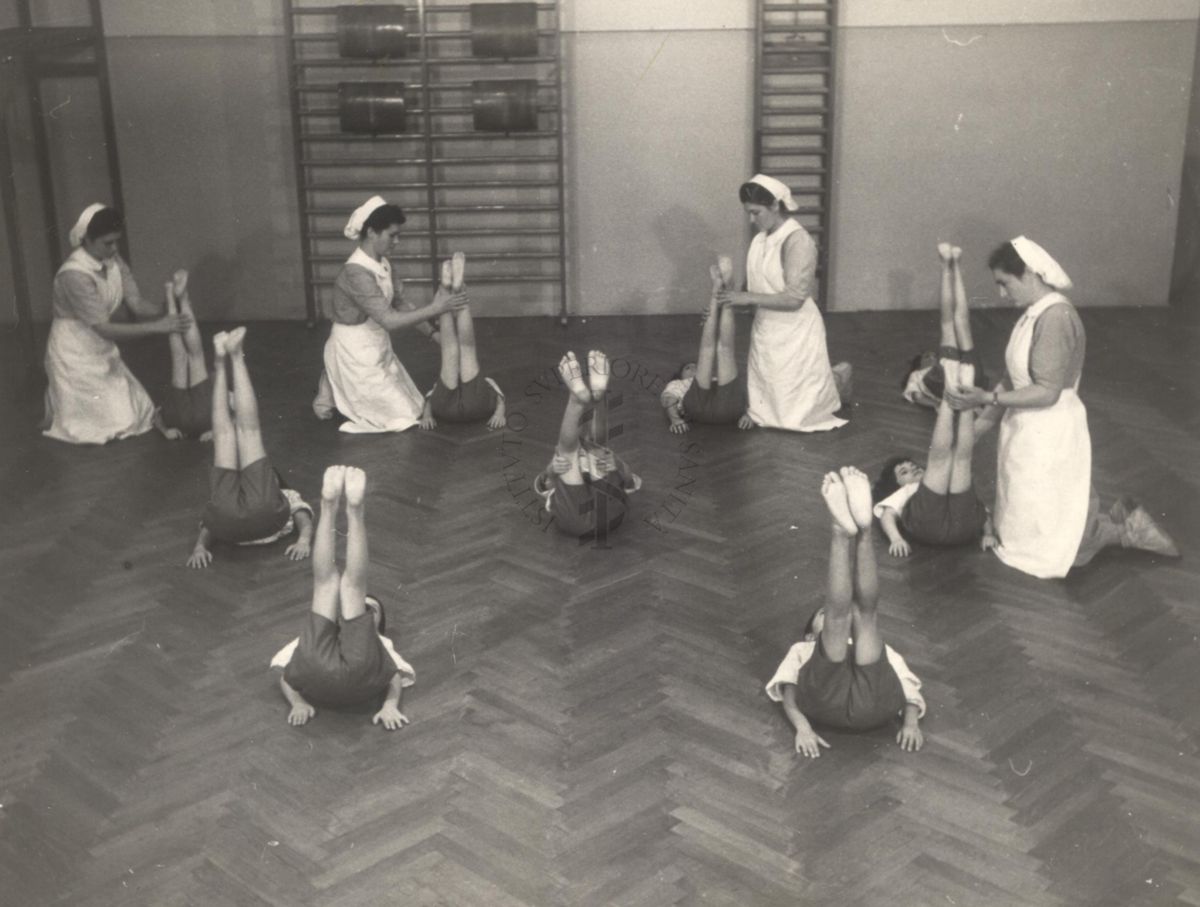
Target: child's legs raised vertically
{"points": [[194, 344], [840, 597], [946, 299], [577, 402], [354, 577], [868, 643], [326, 580], [962, 322], [836, 631], [707, 354], [179, 353], [245, 404], [225, 449], [468, 356], [450, 350], [941, 451], [964, 452], [727, 369]]}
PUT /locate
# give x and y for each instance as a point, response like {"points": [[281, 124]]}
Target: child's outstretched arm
{"points": [[909, 736], [499, 415], [201, 555], [302, 547], [674, 407], [427, 421], [898, 545], [989, 539], [390, 715], [301, 710], [808, 742]]}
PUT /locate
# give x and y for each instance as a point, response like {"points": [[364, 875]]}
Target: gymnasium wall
{"points": [[1067, 124]]}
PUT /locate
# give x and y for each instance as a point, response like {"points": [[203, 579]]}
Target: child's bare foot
{"points": [[458, 269], [447, 274], [597, 373], [356, 486], [718, 282], [843, 379], [955, 253], [220, 340], [858, 495], [834, 493], [945, 251], [725, 264], [333, 483], [233, 341], [572, 377], [179, 281]]}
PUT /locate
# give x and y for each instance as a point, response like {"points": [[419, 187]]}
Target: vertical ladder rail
{"points": [[795, 68]]}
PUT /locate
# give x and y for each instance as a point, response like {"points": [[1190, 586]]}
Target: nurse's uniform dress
{"points": [[92, 396], [1044, 459], [789, 379], [363, 378]]}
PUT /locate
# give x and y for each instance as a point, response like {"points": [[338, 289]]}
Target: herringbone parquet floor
{"points": [[588, 726]]}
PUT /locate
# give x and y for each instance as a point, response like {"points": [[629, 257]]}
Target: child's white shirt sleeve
{"points": [[295, 501], [789, 669], [675, 391], [909, 682], [896, 500], [284, 656], [407, 675], [799, 654]]}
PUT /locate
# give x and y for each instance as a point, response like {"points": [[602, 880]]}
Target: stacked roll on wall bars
{"points": [[450, 110], [42, 64], [793, 108]]}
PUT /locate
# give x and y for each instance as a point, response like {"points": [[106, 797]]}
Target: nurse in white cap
{"points": [[363, 379], [91, 396], [1047, 515], [790, 383]]}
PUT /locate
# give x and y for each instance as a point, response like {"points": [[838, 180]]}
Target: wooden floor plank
{"points": [[589, 726]]}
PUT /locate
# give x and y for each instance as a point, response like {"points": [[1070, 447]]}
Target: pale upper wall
{"points": [[1083, 149], [265, 17]]}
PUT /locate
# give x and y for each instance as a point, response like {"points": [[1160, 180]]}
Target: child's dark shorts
{"points": [[245, 505], [189, 409], [721, 404], [339, 663], [935, 379], [471, 401], [848, 696], [943, 519], [574, 506]]}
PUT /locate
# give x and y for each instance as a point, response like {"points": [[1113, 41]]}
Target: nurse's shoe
{"points": [[843, 378], [1141, 532]]}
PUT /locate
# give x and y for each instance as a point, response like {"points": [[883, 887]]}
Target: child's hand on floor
{"points": [[298, 550], [808, 743], [300, 714], [391, 717], [910, 738], [900, 548], [201, 558], [988, 542], [496, 422], [679, 427], [428, 422]]}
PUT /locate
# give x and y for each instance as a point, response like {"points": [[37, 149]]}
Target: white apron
{"points": [[368, 384], [789, 381], [1044, 468], [92, 396]]}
